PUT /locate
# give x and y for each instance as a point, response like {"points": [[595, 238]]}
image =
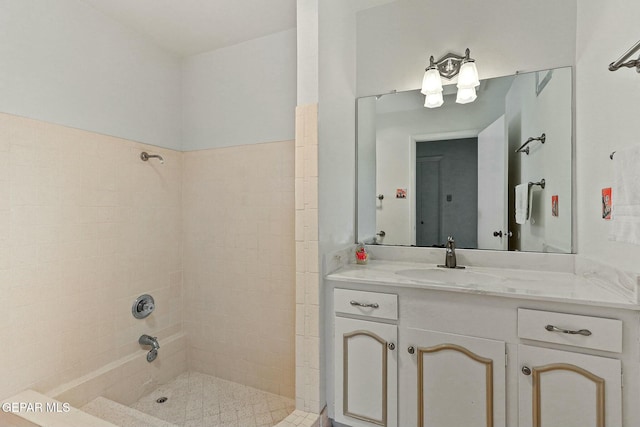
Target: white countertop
{"points": [[587, 289]]}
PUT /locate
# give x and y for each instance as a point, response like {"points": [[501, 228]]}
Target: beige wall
{"points": [[239, 255], [85, 227], [307, 268]]}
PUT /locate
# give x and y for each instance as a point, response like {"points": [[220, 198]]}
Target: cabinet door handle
{"points": [[391, 346], [411, 350], [359, 304], [526, 370], [552, 328]]}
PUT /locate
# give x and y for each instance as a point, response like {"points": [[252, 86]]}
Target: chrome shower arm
{"points": [[146, 156]]}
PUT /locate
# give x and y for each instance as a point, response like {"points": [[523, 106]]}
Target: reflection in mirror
{"points": [[425, 174]]}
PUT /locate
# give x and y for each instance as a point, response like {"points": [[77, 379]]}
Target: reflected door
{"points": [[428, 206], [492, 189]]}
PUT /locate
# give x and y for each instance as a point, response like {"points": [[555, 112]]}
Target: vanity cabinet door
{"points": [[451, 380], [366, 367], [564, 389]]}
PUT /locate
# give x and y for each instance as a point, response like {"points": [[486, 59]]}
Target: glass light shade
{"points": [[433, 100], [466, 96], [431, 83], [468, 76]]}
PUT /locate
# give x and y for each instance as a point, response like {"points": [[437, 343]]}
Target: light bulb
{"points": [[466, 96], [433, 100], [468, 76], [431, 82]]}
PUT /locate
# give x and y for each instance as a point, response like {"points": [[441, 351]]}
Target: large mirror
{"points": [[460, 170]]}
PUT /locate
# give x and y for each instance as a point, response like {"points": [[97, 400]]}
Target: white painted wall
{"points": [[396, 40], [307, 57], [607, 119], [368, 203], [64, 62], [242, 94], [336, 120], [336, 124], [393, 45], [529, 115], [336, 145]]}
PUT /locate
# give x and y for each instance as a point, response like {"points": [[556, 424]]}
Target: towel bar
{"points": [[629, 64], [523, 148]]}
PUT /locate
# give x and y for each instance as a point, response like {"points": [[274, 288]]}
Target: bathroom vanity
{"points": [[410, 344]]}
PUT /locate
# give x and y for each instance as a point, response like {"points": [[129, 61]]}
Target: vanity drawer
{"points": [[370, 304], [570, 329]]}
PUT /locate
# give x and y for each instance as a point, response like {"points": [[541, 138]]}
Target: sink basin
{"points": [[448, 275]]}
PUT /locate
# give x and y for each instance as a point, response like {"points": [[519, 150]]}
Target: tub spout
{"points": [[149, 340]]}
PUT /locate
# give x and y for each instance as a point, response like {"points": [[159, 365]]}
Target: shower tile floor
{"points": [[199, 400]]}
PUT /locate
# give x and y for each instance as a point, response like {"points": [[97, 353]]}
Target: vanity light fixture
{"points": [[448, 67]]}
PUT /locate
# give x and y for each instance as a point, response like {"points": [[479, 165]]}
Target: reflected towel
{"points": [[625, 196], [522, 203]]}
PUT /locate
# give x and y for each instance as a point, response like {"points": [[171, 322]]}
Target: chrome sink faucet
{"points": [[450, 255]]}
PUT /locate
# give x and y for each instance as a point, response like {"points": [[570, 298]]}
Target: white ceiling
{"points": [[189, 27]]}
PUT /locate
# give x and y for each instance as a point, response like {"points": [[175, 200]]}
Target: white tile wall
{"points": [[307, 276], [239, 270], [85, 227]]}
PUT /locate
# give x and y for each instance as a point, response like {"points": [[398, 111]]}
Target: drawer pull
{"points": [[552, 328], [359, 304]]}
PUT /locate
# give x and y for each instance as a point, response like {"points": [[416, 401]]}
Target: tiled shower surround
{"points": [[239, 268], [307, 271], [86, 227]]}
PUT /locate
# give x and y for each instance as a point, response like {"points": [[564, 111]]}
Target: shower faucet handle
{"points": [[143, 306], [147, 306]]}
